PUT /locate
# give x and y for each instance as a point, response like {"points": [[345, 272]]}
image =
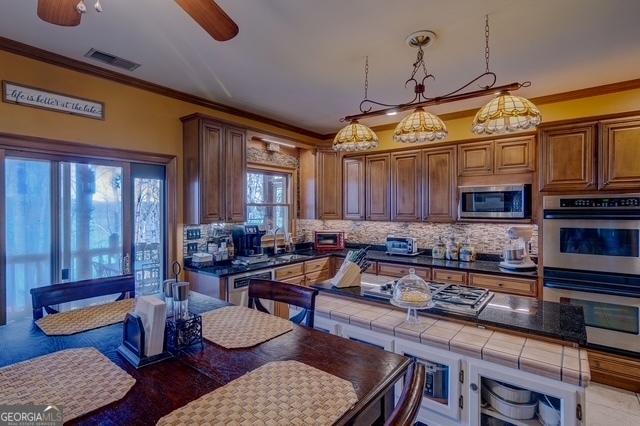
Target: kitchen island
{"points": [[515, 343]]}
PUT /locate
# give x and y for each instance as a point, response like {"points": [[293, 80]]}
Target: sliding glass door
{"points": [[67, 221], [28, 231]]}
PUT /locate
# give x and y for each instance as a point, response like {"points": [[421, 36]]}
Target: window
{"points": [[269, 199]]}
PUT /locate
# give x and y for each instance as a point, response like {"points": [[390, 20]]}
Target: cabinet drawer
{"points": [[316, 277], [393, 270], [290, 271], [299, 280], [448, 276], [317, 265], [526, 287]]}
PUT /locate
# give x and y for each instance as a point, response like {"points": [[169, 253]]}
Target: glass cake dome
{"points": [[412, 292]]}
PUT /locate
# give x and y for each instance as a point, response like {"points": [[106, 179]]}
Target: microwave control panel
{"points": [[600, 202]]}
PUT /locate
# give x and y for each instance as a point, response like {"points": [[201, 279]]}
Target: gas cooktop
{"points": [[447, 297]]}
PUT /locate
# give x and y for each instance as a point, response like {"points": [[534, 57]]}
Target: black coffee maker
{"points": [[247, 240]]}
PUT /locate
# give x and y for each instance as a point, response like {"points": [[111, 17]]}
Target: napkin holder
{"points": [[349, 275], [143, 341]]}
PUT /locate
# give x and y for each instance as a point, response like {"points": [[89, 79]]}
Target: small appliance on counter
{"points": [[247, 240], [402, 246], [516, 255], [324, 241]]}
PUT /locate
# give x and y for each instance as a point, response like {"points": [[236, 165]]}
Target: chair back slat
{"points": [[406, 410], [44, 297], [302, 297]]}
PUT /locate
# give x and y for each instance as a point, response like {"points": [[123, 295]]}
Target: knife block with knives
{"points": [[350, 273]]}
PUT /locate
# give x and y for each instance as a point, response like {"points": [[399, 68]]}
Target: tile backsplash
{"points": [[486, 237]]}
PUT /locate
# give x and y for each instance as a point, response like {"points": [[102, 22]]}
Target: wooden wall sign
{"points": [[38, 98]]}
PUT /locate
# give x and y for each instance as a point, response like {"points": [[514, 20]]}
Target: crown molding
{"points": [[46, 56], [604, 89]]}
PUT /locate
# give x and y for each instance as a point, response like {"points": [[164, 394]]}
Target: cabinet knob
{"points": [[473, 387]]}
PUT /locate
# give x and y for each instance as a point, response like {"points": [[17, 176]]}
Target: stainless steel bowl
{"points": [[513, 255]]}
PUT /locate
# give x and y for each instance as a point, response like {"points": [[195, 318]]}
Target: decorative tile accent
{"points": [[487, 237]]}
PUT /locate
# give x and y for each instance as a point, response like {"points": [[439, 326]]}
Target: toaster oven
{"points": [[405, 246], [328, 241]]}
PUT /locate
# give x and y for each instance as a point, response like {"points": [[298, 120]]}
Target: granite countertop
{"points": [[522, 314], [481, 266]]}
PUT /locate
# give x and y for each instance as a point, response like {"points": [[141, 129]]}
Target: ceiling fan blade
{"points": [[59, 12], [211, 18]]}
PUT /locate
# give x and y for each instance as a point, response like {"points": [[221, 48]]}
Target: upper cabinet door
{"points": [[406, 186], [568, 156], [236, 175], [329, 185], [353, 177], [514, 155], [620, 154], [439, 187], [377, 189], [475, 159], [211, 174]]}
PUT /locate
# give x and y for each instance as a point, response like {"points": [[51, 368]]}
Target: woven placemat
{"points": [[84, 319], [235, 327], [278, 393], [77, 380]]}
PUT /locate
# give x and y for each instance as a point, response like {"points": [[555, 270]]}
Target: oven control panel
{"points": [[600, 202]]}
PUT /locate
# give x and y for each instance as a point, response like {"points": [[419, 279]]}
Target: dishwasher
{"points": [[238, 288]]}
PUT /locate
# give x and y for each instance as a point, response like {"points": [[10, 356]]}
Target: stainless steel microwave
{"points": [[495, 202]]}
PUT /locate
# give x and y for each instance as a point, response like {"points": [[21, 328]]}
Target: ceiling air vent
{"points": [[110, 59]]}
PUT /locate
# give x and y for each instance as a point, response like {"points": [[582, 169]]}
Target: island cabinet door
{"points": [[353, 181], [377, 189], [493, 383], [406, 186], [441, 402], [362, 335]]}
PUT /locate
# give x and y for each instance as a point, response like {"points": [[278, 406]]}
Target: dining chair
{"points": [[406, 410], [43, 298], [302, 297]]}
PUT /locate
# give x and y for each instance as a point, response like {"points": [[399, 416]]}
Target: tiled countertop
{"points": [[481, 266], [552, 360], [522, 314]]}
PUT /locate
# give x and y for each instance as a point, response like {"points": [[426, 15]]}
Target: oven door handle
{"points": [[586, 287], [597, 214]]}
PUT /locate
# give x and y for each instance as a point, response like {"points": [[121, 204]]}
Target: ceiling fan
{"points": [[211, 17]]}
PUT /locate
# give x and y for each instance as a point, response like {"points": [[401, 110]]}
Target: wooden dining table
{"points": [[163, 387]]}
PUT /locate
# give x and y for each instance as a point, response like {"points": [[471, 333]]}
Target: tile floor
{"points": [[611, 406]]}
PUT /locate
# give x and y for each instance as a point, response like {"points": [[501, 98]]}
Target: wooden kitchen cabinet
{"points": [[619, 154], [475, 159], [377, 199], [515, 155], [214, 171], [353, 188], [503, 284], [568, 157], [406, 186], [439, 184], [399, 271], [449, 276], [289, 271], [329, 185]]}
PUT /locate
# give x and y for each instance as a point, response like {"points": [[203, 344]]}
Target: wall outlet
{"points": [[192, 248], [193, 234]]}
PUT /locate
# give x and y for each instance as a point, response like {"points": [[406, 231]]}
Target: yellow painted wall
{"points": [[460, 128], [134, 119]]}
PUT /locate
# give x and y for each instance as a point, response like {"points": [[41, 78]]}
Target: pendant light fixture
{"points": [[504, 113], [420, 126], [355, 136]]}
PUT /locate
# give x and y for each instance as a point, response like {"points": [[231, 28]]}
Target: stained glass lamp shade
{"points": [[355, 137], [504, 114]]}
